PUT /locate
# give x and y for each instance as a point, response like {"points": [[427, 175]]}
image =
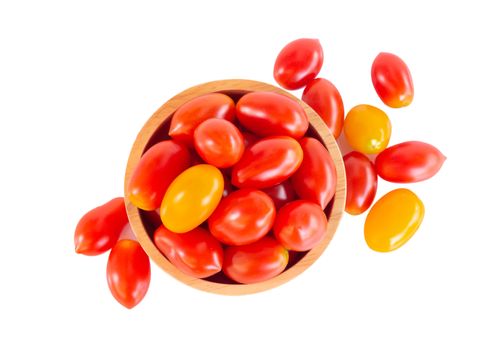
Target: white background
{"points": [[77, 82]]}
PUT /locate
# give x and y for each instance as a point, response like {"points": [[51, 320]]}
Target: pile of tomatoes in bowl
{"points": [[239, 184], [235, 187]]}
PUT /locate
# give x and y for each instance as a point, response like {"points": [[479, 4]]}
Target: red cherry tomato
{"points": [[192, 113], [128, 273], [298, 63], [361, 183], [219, 142], [243, 217], [410, 161], [392, 80], [271, 114], [100, 228], [324, 98], [300, 225], [196, 253], [281, 194], [249, 139], [316, 178], [155, 171], [256, 262], [267, 163]]}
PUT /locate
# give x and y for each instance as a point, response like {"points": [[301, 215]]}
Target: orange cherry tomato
{"points": [[300, 225], [325, 99], [361, 183], [191, 198], [367, 129], [281, 194], [100, 228], [128, 273], [268, 162], [192, 113], [271, 114], [393, 220], [392, 80], [410, 161], [196, 253], [158, 167], [256, 262], [298, 63], [243, 217], [219, 142], [316, 178]]}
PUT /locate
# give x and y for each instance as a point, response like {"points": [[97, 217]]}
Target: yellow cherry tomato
{"points": [[191, 198], [393, 220], [367, 129]]}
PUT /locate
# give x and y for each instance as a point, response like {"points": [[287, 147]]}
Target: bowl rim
{"points": [[165, 112]]}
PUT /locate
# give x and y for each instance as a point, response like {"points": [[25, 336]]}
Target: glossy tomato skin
{"points": [[219, 142], [128, 273], [100, 228], [325, 99], [281, 194], [191, 198], [316, 178], [367, 129], [393, 220], [192, 113], [196, 253], [267, 163], [271, 114], [407, 162], [392, 80], [361, 183], [300, 225], [298, 63], [243, 217], [158, 167], [256, 262]]}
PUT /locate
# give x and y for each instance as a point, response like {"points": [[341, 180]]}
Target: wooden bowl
{"points": [[156, 129]]}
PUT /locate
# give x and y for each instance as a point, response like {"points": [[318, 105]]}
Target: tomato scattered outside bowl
{"points": [[156, 130]]}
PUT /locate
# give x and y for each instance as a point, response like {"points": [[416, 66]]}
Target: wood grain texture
{"points": [[165, 112]]}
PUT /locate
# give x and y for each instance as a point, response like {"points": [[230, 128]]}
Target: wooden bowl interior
{"points": [[144, 224]]}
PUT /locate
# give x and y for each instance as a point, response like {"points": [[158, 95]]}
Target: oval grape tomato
{"points": [[128, 273], [361, 183], [325, 99], [196, 253], [243, 217], [256, 262], [99, 229], [268, 162], [393, 220], [298, 63], [191, 198], [271, 114], [367, 129], [392, 80]]}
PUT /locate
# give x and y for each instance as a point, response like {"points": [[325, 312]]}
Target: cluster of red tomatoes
{"points": [[394, 218], [240, 184], [237, 186]]}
